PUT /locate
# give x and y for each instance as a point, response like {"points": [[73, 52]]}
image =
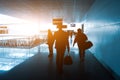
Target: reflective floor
{"points": [[10, 57], [35, 65]]}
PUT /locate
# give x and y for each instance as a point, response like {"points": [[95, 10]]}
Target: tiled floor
{"points": [[40, 67]]}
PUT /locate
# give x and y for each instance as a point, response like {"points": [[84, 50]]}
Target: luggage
{"points": [[88, 44], [68, 60]]}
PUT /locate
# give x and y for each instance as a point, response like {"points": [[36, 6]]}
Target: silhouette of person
{"points": [[61, 38], [50, 42], [80, 39]]}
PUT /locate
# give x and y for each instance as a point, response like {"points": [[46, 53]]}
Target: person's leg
{"points": [[50, 51], [59, 60], [82, 55]]}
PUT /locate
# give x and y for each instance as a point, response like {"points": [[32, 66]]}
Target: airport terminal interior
{"points": [[24, 49]]}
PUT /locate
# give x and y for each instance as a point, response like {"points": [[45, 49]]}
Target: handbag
{"points": [[88, 44], [68, 60]]}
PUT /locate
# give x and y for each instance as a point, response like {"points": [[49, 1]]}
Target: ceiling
{"points": [[45, 10]]}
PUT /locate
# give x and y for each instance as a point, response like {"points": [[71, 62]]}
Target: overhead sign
{"points": [[57, 21], [73, 25]]}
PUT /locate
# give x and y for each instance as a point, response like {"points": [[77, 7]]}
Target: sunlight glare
{"points": [[24, 29], [46, 26]]}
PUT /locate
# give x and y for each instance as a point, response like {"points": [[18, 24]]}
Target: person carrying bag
{"points": [[83, 43], [68, 59]]}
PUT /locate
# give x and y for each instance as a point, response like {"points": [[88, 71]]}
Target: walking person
{"points": [[81, 39], [50, 41], [61, 43]]}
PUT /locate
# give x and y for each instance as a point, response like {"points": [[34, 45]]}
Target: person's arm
{"points": [[75, 40], [68, 47], [54, 39], [67, 42]]}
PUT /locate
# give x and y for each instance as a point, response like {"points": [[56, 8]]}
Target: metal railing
{"points": [[21, 41]]}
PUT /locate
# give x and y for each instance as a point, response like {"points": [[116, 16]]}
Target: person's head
{"points": [[79, 30], [49, 30]]}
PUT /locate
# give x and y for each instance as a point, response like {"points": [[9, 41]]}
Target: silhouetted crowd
{"points": [[61, 40]]}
